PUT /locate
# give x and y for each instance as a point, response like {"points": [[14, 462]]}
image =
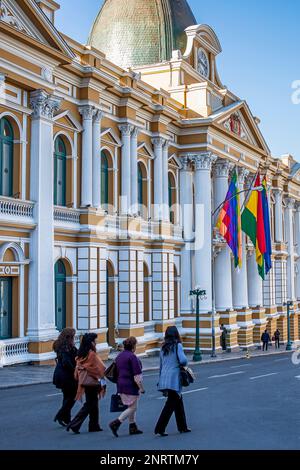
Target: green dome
{"points": [[141, 32]]}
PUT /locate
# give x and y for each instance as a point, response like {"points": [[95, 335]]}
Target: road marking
{"points": [[243, 365], [279, 360], [185, 393], [262, 376], [54, 394], [226, 375]]}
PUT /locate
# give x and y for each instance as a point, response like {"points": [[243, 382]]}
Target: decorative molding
{"points": [[158, 142], [290, 203], [135, 132], [43, 104], [243, 174], [126, 129], [98, 115], [2, 85], [185, 162], [87, 112], [222, 168], [203, 161], [47, 74]]}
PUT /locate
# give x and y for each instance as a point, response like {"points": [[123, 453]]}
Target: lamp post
{"points": [[198, 293], [289, 343]]}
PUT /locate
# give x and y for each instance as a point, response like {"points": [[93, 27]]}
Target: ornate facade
{"points": [[109, 177]]}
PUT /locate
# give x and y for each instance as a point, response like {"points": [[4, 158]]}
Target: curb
{"points": [[156, 368]]}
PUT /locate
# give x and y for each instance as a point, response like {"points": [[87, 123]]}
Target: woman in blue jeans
{"points": [[171, 358]]}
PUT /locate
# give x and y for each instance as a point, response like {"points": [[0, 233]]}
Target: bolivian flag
{"points": [[256, 224]]}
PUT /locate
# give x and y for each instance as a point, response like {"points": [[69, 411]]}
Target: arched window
{"points": [[140, 186], [60, 168], [172, 197], [104, 179], [6, 158], [5, 307], [60, 296]]}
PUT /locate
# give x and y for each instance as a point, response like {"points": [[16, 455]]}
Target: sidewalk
{"points": [[23, 375]]}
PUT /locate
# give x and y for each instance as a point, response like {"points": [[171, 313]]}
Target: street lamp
{"points": [[199, 294], [289, 343]]}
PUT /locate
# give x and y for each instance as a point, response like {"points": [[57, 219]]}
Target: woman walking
{"points": [[63, 377], [129, 386], [171, 358], [89, 372]]}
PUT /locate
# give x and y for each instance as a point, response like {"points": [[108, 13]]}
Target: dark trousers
{"points": [[277, 343], [265, 346], [69, 394], [174, 404], [90, 408]]}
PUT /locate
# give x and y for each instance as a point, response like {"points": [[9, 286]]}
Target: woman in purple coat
{"points": [[129, 386]]}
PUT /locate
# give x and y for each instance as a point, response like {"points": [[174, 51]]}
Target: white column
{"points": [[158, 143], [21, 301], [24, 157], [289, 211], [74, 297], [297, 223], [134, 171], [203, 229], [2, 85], [75, 168], [97, 159], [87, 113], [126, 131], [222, 265], [165, 176], [239, 276], [41, 314], [255, 286], [278, 216], [186, 204]]}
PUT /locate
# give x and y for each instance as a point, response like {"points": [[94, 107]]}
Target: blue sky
{"points": [[259, 62]]}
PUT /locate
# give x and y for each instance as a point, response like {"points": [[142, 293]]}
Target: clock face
{"points": [[203, 63]]}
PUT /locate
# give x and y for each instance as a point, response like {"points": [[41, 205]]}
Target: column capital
{"points": [[222, 168], [126, 129], [135, 132], [277, 192], [243, 174], [203, 161], [43, 104], [98, 115], [87, 112], [290, 202], [185, 162], [158, 142]]}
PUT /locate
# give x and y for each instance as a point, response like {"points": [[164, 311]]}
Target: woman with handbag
{"points": [[63, 377], [129, 386], [90, 374], [172, 357]]}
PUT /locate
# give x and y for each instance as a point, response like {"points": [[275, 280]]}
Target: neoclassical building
{"points": [[113, 157]]}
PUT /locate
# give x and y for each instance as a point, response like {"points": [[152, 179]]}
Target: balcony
{"points": [[16, 210], [66, 216], [14, 351]]}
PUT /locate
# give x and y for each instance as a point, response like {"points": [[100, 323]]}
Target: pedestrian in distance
{"points": [[171, 358], [63, 377], [223, 338], [277, 339], [129, 386], [90, 375], [265, 338]]}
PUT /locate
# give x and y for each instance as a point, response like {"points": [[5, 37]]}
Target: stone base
{"points": [[245, 333], [282, 327], [260, 324], [229, 320]]}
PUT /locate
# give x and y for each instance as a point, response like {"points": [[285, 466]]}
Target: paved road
{"points": [[240, 404]]}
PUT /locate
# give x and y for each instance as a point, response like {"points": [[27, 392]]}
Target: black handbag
{"points": [[186, 374], [116, 405], [111, 373]]}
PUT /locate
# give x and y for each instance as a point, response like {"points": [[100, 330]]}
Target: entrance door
{"points": [[60, 296], [5, 307]]}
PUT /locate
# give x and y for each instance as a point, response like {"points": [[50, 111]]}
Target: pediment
{"points": [[66, 119], [239, 121], [145, 150], [109, 136], [26, 17], [174, 162]]}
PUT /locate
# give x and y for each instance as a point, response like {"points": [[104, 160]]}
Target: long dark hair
{"points": [[172, 338], [86, 345], [65, 341]]}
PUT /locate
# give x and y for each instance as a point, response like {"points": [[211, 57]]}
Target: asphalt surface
{"points": [[234, 405]]}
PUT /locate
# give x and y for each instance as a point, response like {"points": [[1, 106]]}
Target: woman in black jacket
{"points": [[63, 378]]}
